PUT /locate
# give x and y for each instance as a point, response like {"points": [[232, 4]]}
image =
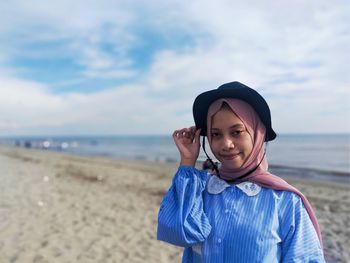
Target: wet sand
{"points": [[57, 207]]}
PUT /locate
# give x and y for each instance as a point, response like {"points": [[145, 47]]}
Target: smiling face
{"points": [[230, 141]]}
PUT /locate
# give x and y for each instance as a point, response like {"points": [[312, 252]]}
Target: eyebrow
{"points": [[238, 125]]}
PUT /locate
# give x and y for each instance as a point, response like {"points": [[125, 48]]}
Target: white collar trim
{"points": [[217, 185]]}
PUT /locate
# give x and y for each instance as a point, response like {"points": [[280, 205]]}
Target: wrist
{"points": [[187, 162]]}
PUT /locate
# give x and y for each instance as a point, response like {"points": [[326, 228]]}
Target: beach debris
{"points": [[44, 243], [46, 144], [83, 174], [99, 177], [64, 145], [40, 203], [27, 144], [46, 179]]}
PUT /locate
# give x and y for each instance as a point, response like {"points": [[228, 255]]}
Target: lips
{"points": [[229, 156]]}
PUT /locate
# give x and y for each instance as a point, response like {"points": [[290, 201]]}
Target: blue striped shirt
{"points": [[216, 222]]}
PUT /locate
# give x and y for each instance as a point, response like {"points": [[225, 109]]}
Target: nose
{"points": [[227, 144]]}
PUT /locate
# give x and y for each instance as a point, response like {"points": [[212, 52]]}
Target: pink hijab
{"points": [[260, 176]]}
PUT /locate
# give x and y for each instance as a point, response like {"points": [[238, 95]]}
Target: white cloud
{"points": [[31, 108], [76, 31], [294, 53]]}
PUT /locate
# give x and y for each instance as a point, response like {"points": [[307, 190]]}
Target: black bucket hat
{"points": [[234, 90]]}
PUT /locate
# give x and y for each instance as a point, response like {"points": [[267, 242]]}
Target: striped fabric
{"points": [[233, 226]]}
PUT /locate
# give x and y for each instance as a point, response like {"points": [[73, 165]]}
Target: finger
{"points": [[188, 133], [185, 132], [197, 135], [179, 133]]}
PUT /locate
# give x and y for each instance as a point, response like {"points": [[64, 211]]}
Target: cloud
{"points": [[78, 32], [123, 110], [294, 53]]}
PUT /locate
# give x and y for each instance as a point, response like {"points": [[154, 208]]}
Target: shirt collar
{"points": [[217, 185]]}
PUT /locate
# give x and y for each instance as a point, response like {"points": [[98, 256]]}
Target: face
{"points": [[230, 141]]}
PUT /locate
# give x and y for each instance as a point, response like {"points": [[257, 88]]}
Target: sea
{"points": [[311, 156]]}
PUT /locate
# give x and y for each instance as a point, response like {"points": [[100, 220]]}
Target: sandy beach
{"points": [[57, 207]]}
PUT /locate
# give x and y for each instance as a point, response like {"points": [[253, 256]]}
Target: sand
{"points": [[57, 207]]}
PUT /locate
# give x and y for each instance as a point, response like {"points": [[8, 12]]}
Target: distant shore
{"points": [[59, 207], [296, 154], [73, 147]]}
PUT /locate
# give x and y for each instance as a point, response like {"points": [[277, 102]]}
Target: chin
{"points": [[232, 165]]}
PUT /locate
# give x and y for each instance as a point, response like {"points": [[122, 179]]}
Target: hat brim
{"points": [[234, 90]]}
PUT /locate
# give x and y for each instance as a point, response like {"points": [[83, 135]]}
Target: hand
{"points": [[187, 141]]}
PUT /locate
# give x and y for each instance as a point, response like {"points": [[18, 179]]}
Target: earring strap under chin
{"points": [[210, 160]]}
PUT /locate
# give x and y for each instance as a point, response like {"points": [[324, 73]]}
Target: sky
{"points": [[111, 67]]}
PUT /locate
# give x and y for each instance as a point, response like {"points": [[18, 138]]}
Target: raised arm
{"points": [[182, 220]]}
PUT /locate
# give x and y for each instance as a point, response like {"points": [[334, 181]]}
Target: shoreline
{"points": [[61, 207], [299, 152], [285, 171]]}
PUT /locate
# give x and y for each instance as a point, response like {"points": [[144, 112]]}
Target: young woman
{"points": [[240, 212]]}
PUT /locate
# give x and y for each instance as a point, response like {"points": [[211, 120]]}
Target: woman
{"points": [[241, 212]]}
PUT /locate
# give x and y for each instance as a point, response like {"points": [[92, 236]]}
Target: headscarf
{"points": [[256, 161]]}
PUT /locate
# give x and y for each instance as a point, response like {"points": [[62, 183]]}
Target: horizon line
{"points": [[151, 135]]}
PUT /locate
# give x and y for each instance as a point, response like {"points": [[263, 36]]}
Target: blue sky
{"points": [[135, 67]]}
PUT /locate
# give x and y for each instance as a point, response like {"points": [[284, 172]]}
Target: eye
{"points": [[214, 134], [237, 133]]}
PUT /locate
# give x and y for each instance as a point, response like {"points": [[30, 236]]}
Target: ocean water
{"points": [[309, 154]]}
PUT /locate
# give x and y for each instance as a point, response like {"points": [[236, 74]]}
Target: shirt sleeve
{"points": [[300, 241], [181, 219]]}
